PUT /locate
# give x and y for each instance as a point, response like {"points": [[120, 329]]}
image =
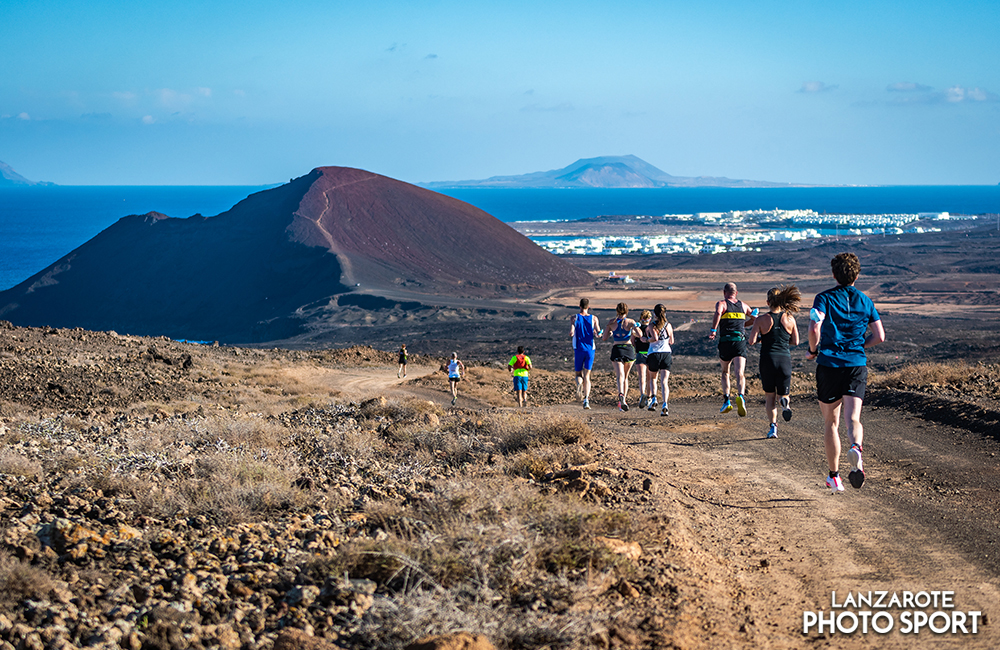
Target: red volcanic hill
{"points": [[242, 275]]}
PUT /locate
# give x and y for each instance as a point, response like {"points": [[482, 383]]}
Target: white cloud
{"points": [[957, 94], [148, 119], [23, 116], [816, 87], [908, 87], [205, 92]]}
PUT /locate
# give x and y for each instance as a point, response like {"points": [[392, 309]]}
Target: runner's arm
{"points": [[877, 334], [670, 334], [816, 318], [754, 332], [719, 310], [794, 334]]}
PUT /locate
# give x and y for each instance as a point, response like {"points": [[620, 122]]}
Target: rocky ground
{"points": [[157, 494]]}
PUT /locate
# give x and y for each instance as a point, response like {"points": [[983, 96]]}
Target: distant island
{"points": [[605, 172], [10, 178]]}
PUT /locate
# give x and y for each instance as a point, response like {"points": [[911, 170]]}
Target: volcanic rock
{"points": [[334, 237]]}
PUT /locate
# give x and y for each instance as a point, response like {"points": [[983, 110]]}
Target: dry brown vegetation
{"points": [[245, 498]]}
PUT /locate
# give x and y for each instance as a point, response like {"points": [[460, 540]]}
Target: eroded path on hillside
{"points": [[768, 541]]}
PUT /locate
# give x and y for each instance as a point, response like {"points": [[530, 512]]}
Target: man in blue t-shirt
{"points": [[583, 332], [842, 323]]}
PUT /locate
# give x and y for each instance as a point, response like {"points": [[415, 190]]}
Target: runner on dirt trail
{"points": [[843, 323], [518, 367], [623, 352], [777, 333], [660, 336], [583, 333], [455, 371], [732, 317], [641, 348], [402, 362]]}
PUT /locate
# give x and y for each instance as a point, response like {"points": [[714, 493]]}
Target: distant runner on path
{"points": [[518, 367], [732, 317], [842, 324], [402, 362], [623, 352], [778, 334], [660, 336], [583, 333], [455, 371], [641, 348]]}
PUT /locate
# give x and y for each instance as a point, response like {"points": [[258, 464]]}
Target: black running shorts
{"points": [[657, 361], [729, 350], [623, 352], [776, 374], [833, 384]]}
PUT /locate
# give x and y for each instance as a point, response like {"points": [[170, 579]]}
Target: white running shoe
{"points": [[857, 474], [835, 484], [786, 410], [665, 412], [586, 404]]}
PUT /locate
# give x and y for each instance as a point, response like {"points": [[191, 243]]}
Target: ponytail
{"points": [[785, 297], [661, 317]]}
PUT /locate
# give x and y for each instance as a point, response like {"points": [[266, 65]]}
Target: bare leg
{"points": [[725, 376], [831, 435], [665, 383], [852, 417], [628, 368], [454, 389], [771, 406], [740, 364], [586, 384]]}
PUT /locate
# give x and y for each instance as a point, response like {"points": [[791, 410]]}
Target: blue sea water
{"points": [[571, 204], [39, 225]]}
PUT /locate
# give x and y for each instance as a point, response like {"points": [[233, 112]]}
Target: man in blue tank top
{"points": [[583, 333], [842, 323]]}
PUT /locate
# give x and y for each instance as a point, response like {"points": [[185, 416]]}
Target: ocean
{"points": [[39, 225]]}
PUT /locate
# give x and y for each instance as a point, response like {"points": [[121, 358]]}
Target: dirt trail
{"points": [[787, 543], [927, 519]]}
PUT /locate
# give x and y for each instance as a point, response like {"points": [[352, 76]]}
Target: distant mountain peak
{"points": [[9, 177], [604, 172]]}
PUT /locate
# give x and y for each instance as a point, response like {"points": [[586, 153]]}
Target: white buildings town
{"points": [[718, 232]]}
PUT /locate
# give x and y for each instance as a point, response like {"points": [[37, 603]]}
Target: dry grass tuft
{"points": [[927, 373], [20, 581], [15, 464]]}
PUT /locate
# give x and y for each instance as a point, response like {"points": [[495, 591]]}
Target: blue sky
{"points": [[114, 92]]}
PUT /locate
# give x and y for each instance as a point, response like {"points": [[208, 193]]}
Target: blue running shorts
{"points": [[583, 359]]}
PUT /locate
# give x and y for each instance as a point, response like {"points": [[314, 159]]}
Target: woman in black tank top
{"points": [[777, 333]]}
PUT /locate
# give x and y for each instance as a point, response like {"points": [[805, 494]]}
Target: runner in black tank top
{"points": [[732, 317], [777, 333]]}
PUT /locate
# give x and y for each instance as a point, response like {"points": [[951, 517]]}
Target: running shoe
{"points": [[857, 474], [621, 403], [586, 404], [773, 431], [652, 404], [726, 406], [741, 406], [664, 412], [786, 410], [835, 484], [642, 400], [453, 400], [397, 375]]}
